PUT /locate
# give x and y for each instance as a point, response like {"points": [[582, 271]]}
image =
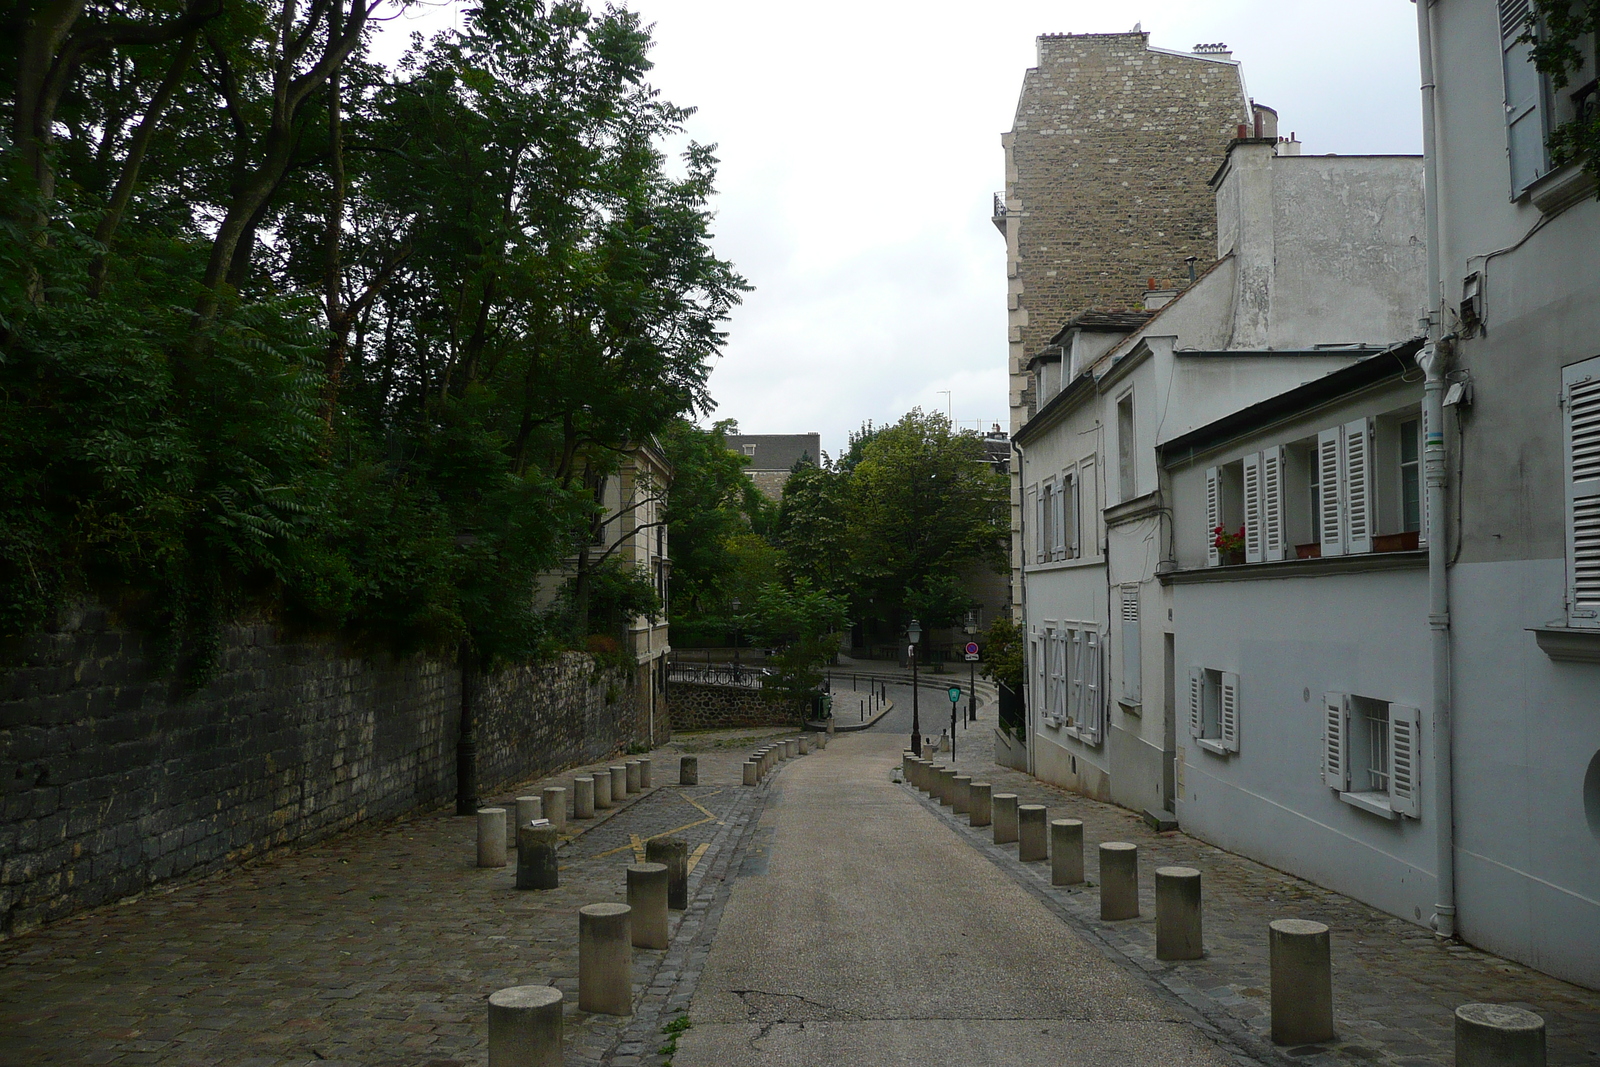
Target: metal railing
{"points": [[718, 674]]}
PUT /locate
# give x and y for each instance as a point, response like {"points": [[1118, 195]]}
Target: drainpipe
{"points": [[1432, 360], [1022, 579]]}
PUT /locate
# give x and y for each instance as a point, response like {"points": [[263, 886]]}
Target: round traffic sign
{"points": [[972, 648], [955, 694]]}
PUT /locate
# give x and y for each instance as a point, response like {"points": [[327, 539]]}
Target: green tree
{"points": [[1559, 31]]}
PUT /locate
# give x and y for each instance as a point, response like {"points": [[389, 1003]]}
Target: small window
{"points": [[1214, 709], [1370, 753], [1126, 481], [750, 450], [1411, 476], [1527, 103]]}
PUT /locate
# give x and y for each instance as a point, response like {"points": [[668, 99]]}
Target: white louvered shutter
{"points": [[1041, 528], [1405, 730], [1252, 508], [1088, 504], [1093, 691], [1330, 498], [1059, 680], [1132, 681], [1041, 653], [1581, 401], [1074, 521], [1228, 712], [1526, 100], [1213, 514], [1274, 542], [1336, 741], [1358, 495], [1058, 521], [1197, 698], [1074, 677]]}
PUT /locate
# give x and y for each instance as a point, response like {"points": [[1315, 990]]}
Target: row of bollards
{"points": [[1300, 951], [768, 756], [600, 790], [525, 1022]]}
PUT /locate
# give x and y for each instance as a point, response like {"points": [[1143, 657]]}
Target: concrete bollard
{"points": [[689, 770], [916, 772], [528, 809], [978, 808], [1498, 1035], [646, 775], [803, 744], [525, 1027], [1119, 880], [491, 837], [1178, 932], [1066, 852], [905, 764], [583, 798], [619, 784], [1005, 818], [631, 775], [1033, 841], [647, 896], [602, 790], [792, 748], [536, 857], [961, 794], [554, 802], [1302, 982], [674, 852], [750, 775], [605, 959], [947, 786]]}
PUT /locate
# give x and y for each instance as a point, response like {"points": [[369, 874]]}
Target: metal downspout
{"points": [[1028, 743], [1432, 359]]}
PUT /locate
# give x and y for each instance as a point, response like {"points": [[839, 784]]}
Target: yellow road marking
{"points": [[701, 809], [638, 848], [637, 844], [694, 857]]}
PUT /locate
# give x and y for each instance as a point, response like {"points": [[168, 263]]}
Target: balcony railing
{"points": [[999, 216]]}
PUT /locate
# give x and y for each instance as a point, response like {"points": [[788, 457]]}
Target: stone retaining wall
{"points": [[695, 706], [112, 780]]}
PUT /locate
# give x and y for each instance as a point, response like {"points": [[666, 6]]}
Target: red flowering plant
{"points": [[1227, 542]]}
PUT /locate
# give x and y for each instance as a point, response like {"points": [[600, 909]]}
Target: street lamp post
{"points": [[736, 672], [914, 632]]}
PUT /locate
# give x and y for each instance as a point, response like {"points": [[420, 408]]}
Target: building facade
{"points": [[771, 457], [1105, 171]]}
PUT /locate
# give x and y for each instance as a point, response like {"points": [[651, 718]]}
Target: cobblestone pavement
{"points": [[380, 946], [1396, 986]]}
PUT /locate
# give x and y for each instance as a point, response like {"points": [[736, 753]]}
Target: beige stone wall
{"points": [[770, 483]]}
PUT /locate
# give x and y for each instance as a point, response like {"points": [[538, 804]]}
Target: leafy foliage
{"points": [[1003, 654], [1558, 31], [284, 330]]}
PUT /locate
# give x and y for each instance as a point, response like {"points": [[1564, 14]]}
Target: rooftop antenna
{"points": [[947, 412]]}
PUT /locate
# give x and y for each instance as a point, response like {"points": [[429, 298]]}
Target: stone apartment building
{"points": [[773, 457], [1106, 170]]}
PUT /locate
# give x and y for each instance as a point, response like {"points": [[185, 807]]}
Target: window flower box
{"points": [[1400, 542]]}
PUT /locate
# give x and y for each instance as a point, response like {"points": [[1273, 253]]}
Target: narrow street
{"points": [[865, 932]]}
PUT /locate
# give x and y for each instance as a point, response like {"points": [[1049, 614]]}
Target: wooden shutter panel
{"points": [[1252, 508], [1041, 528], [1335, 741], [1132, 679], [1093, 691], [1073, 682], [1058, 521], [1581, 404], [1074, 496], [1274, 521], [1405, 729], [1526, 107], [1358, 496], [1330, 480], [1213, 514], [1197, 697], [1228, 712]]}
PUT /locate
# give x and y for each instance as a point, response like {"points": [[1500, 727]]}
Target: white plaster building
{"points": [[1517, 323], [1320, 263]]}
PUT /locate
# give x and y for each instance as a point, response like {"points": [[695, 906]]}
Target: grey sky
{"points": [[860, 148]]}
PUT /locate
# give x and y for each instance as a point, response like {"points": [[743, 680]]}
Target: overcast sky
{"points": [[860, 148]]}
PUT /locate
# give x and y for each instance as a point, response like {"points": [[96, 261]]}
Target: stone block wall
{"points": [[113, 780], [696, 706]]}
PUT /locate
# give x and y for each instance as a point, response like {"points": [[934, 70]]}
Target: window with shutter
{"points": [[1405, 728], [1581, 416], [1330, 499], [1040, 650], [1041, 529], [1069, 509], [1274, 521], [1093, 700], [1074, 677], [1058, 521], [1059, 684], [1252, 508], [1228, 712], [1527, 108], [1197, 691], [1357, 487], [1335, 715], [1213, 514], [1131, 679]]}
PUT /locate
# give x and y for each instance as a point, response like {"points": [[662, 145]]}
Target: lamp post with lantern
{"points": [[972, 669], [914, 634]]}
